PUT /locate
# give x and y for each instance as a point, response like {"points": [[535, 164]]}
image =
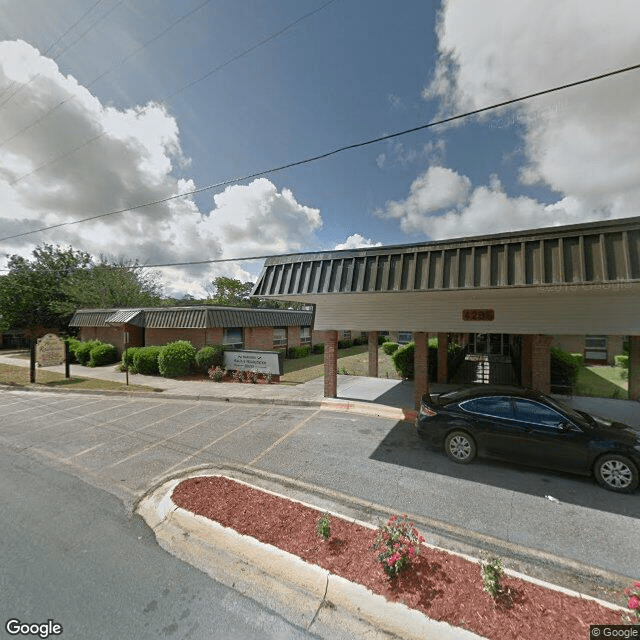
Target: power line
{"points": [[333, 152], [169, 96]]}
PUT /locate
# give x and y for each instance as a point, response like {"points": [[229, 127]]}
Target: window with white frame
{"points": [[233, 337], [595, 348], [279, 336], [305, 335], [345, 335], [404, 337]]}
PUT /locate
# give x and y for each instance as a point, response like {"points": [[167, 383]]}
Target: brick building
{"points": [[241, 328]]}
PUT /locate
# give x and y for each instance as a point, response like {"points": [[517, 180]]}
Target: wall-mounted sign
{"points": [[50, 350], [258, 361], [479, 315]]}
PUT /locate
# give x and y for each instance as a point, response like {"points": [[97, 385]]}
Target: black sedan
{"points": [[530, 428]]}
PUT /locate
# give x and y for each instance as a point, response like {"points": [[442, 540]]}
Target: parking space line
{"points": [[284, 437], [165, 440], [222, 437]]}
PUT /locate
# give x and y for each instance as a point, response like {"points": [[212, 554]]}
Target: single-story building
{"points": [[238, 327], [514, 290]]}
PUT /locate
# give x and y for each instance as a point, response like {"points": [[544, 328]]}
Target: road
{"points": [[70, 553], [126, 445]]}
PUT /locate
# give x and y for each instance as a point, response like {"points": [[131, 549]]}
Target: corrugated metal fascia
{"points": [[176, 318], [250, 317], [127, 316], [91, 317]]}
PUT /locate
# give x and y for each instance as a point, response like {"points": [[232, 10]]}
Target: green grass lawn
{"points": [[352, 361], [601, 382], [19, 377]]}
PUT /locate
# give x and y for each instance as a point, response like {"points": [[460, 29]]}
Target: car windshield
{"points": [[576, 416]]}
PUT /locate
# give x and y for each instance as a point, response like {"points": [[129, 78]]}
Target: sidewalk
{"points": [[373, 396]]}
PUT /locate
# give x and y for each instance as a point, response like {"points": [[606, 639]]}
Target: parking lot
{"points": [[126, 445]]}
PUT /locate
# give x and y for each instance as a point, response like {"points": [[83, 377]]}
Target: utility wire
{"points": [[333, 152], [169, 96]]}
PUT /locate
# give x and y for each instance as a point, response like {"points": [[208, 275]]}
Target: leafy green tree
{"points": [[32, 290], [105, 285], [229, 292]]}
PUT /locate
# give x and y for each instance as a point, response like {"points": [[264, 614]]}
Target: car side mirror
{"points": [[565, 427]]}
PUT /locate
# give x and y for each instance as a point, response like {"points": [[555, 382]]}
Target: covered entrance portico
{"points": [[577, 279]]}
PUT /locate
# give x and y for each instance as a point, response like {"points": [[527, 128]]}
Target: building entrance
{"points": [[490, 358]]}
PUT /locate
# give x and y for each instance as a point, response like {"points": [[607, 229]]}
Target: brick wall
{"points": [[541, 363], [258, 338], [160, 337], [330, 363]]}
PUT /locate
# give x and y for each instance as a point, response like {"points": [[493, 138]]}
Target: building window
{"points": [[345, 335], [305, 335], [233, 338], [279, 336], [595, 348], [404, 337]]}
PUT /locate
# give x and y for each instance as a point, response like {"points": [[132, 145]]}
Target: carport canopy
{"points": [[575, 279]]}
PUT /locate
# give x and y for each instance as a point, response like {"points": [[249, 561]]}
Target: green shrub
{"points": [[390, 347], [345, 344], [176, 359], [210, 356], [318, 348], [622, 364], [127, 359], [102, 354], [360, 340], [403, 360], [564, 369], [383, 339], [74, 343], [145, 360], [298, 352], [83, 351]]}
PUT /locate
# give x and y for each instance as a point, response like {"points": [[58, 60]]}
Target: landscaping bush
{"points": [[176, 359], [318, 348], [390, 347], [403, 360], [74, 343], [298, 352], [564, 369], [345, 344], [145, 360], [83, 351], [127, 359], [210, 356], [622, 364], [102, 354], [360, 340], [383, 339]]}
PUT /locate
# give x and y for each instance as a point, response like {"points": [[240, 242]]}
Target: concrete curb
{"points": [[171, 523], [188, 535]]}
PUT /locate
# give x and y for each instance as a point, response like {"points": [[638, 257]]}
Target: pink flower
{"points": [[634, 603], [637, 584]]}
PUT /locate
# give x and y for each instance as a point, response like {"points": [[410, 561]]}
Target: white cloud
{"points": [[85, 158], [356, 241], [581, 142]]}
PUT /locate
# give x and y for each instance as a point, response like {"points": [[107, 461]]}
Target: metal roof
{"points": [[582, 254], [192, 317]]}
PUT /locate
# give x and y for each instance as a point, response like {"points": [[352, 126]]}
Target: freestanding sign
{"points": [[258, 361], [50, 350]]}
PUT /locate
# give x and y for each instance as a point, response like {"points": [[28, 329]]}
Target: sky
{"points": [[124, 105]]}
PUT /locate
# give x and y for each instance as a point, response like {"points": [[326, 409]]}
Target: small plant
{"points": [[268, 378], [237, 376], [633, 593], [491, 570], [323, 526], [216, 374], [400, 544], [343, 371]]}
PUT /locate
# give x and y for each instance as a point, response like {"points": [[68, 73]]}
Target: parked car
{"points": [[530, 428]]}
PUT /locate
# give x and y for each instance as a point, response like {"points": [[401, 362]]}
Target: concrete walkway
{"points": [[375, 396]]}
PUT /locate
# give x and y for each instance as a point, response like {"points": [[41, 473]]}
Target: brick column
{"points": [[634, 367], [421, 365], [541, 363], [527, 344], [373, 354], [443, 339], [331, 364]]}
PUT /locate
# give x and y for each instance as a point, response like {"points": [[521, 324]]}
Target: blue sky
{"points": [[105, 105]]}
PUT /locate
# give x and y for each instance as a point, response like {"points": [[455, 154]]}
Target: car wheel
{"points": [[616, 473], [460, 447]]}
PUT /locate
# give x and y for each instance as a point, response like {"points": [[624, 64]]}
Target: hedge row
{"points": [[92, 353]]}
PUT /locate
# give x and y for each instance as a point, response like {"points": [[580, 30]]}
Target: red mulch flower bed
{"points": [[443, 586]]}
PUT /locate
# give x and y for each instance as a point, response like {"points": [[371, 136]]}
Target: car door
{"points": [[498, 434], [552, 440]]}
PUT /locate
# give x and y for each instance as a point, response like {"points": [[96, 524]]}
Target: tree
{"points": [[229, 292], [105, 285], [32, 290]]}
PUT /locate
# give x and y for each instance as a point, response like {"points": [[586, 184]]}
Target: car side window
{"points": [[493, 406], [534, 412]]}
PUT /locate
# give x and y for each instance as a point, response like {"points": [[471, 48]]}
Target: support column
{"points": [[420, 365], [541, 363], [634, 367], [331, 364], [373, 354], [443, 341], [527, 344]]}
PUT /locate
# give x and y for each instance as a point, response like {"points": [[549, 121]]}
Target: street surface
{"points": [[71, 554], [126, 445]]}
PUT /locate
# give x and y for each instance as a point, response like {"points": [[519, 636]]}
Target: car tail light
{"points": [[427, 412]]}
